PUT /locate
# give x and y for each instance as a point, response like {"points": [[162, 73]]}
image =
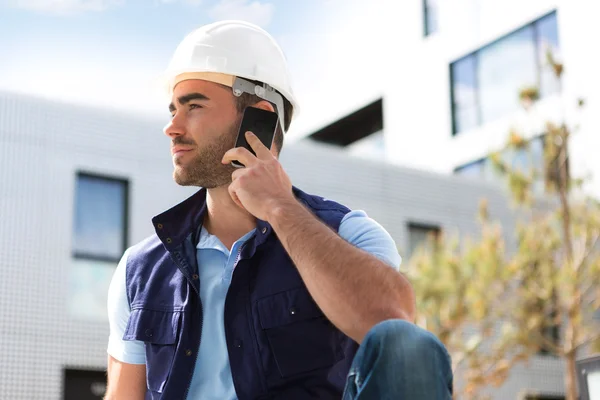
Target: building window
{"points": [[522, 160], [552, 333], [420, 235], [81, 384], [351, 129], [430, 17], [503, 68], [474, 169], [101, 218], [486, 83], [464, 91]]}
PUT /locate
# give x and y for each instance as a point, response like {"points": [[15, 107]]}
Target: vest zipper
{"points": [[187, 391], [238, 256], [237, 259]]}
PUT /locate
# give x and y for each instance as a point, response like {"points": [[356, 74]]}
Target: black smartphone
{"points": [[262, 123]]}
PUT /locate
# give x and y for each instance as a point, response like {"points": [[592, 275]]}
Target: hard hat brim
{"points": [[216, 77]]}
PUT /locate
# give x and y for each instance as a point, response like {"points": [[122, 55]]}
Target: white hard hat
{"points": [[223, 52]]}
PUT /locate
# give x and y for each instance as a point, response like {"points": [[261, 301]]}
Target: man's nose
{"points": [[172, 129]]}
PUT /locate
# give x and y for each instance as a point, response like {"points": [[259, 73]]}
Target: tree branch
{"points": [[491, 372], [553, 314], [547, 343], [563, 191], [465, 354], [590, 338], [459, 362], [585, 292], [563, 162], [588, 251]]}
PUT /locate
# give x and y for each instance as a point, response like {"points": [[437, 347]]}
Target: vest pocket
{"points": [[158, 329], [300, 337]]}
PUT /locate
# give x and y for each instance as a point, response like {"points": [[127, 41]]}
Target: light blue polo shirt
{"points": [[212, 376]]}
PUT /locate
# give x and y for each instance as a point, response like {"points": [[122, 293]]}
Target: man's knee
{"points": [[399, 347], [399, 338]]}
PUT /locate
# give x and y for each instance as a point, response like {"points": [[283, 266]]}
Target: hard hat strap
{"points": [[265, 92]]}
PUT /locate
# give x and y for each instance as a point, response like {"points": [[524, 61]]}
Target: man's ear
{"points": [[264, 105]]}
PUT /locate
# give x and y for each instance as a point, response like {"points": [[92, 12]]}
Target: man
{"points": [[251, 288]]}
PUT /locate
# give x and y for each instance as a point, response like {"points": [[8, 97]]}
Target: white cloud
{"points": [[186, 2], [64, 7], [251, 11]]}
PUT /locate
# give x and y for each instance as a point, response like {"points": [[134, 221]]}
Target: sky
{"points": [[110, 53]]}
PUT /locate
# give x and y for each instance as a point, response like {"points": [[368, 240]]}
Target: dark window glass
{"points": [[485, 84], [420, 235], [465, 93], [504, 68], [100, 221], [547, 40], [84, 384], [474, 169], [430, 12], [522, 160]]}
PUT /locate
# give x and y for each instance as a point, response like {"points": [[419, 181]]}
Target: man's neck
{"points": [[225, 219]]}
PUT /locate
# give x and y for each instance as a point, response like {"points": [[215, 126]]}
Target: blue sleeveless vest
{"points": [[280, 344]]}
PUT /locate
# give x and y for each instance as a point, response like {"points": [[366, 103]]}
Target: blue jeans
{"points": [[398, 360]]}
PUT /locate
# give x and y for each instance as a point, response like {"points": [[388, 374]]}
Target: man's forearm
{"points": [[354, 289]]}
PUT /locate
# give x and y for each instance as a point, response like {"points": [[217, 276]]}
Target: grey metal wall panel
{"points": [[42, 146]]}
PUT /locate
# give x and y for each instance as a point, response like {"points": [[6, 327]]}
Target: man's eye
{"points": [[191, 107]]}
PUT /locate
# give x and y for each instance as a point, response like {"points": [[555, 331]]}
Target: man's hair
{"points": [[247, 100]]}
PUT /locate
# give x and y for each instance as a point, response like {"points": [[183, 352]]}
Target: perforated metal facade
{"points": [[43, 145]]}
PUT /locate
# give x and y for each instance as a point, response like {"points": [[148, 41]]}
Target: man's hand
{"points": [[262, 185]]}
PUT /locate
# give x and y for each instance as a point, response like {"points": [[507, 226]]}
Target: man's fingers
{"points": [[232, 192], [240, 154], [237, 173], [262, 152]]}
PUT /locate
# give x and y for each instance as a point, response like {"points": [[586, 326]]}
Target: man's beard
{"points": [[205, 169]]}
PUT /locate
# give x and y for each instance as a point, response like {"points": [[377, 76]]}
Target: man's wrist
{"points": [[283, 209]]}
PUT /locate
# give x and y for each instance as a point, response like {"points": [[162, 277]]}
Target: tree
{"points": [[494, 308], [458, 286]]}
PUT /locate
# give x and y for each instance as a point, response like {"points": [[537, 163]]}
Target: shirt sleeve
{"points": [[127, 351], [366, 234]]}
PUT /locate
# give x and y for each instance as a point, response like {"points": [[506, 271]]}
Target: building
{"points": [[455, 69], [79, 185]]}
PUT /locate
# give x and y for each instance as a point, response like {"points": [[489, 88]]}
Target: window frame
{"points": [[480, 160], [476, 53], [428, 226], [78, 255], [541, 396], [584, 365], [427, 29], [547, 176], [453, 96]]}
